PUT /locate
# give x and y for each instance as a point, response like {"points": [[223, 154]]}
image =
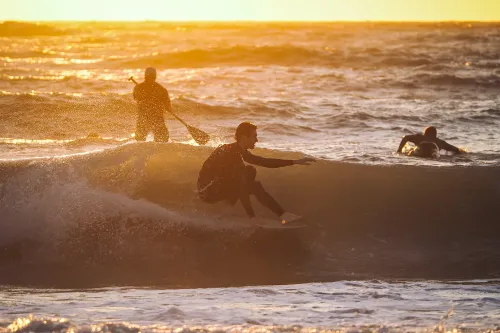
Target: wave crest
{"points": [[126, 209]]}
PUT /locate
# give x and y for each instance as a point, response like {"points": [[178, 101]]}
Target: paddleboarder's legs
{"points": [[147, 123], [142, 128], [160, 132]]}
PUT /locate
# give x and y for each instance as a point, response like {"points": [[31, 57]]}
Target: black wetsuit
{"points": [[224, 176], [152, 100], [418, 139]]}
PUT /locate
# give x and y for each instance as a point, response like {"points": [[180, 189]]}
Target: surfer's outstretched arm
{"points": [[264, 161], [273, 162], [446, 146]]}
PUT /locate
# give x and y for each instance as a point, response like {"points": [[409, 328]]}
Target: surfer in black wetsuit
{"points": [[426, 143], [152, 100], [225, 177]]}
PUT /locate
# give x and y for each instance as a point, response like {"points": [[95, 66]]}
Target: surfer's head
{"points": [[246, 135], [430, 132], [150, 74]]}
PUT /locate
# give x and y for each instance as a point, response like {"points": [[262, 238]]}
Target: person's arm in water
{"points": [[446, 146], [273, 162], [407, 138]]}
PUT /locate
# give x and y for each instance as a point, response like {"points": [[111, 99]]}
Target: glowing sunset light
{"points": [[259, 10]]}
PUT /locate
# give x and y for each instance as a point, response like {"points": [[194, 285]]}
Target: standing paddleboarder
{"points": [[152, 101]]}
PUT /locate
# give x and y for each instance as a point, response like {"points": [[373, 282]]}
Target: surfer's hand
{"points": [[304, 161]]}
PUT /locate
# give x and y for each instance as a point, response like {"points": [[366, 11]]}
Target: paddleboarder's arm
{"points": [[135, 93], [166, 100], [265, 162]]}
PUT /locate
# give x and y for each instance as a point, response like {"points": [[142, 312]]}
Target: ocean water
{"points": [[100, 233], [342, 91], [359, 306]]}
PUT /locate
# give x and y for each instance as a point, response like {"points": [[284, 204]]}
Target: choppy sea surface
{"points": [[343, 91], [100, 233], [357, 306]]}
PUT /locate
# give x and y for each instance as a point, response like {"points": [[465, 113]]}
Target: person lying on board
{"points": [[424, 143], [225, 177], [426, 150], [152, 100]]}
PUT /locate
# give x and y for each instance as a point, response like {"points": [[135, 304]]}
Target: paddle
{"points": [[198, 135]]}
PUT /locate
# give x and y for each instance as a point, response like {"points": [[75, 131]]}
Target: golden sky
{"points": [[267, 10]]}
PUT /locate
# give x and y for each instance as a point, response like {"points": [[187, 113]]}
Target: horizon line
{"points": [[251, 21]]}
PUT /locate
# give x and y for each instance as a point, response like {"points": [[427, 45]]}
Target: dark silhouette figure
{"points": [[427, 143], [225, 177], [152, 101]]}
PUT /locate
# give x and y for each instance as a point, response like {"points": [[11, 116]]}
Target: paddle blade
{"points": [[198, 135]]}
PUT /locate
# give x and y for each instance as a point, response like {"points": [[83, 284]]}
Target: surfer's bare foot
{"points": [[287, 217]]}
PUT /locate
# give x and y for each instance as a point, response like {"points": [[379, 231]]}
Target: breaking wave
{"points": [[131, 215]]}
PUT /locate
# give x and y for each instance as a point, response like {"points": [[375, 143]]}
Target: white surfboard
{"points": [[281, 226], [273, 224]]}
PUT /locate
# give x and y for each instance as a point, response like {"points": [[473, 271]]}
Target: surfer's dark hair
{"points": [[430, 131], [245, 128]]}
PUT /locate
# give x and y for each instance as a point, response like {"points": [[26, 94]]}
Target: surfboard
{"points": [[424, 150], [281, 226], [260, 223]]}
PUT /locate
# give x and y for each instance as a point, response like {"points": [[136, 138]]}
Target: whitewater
{"points": [[101, 233]]}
